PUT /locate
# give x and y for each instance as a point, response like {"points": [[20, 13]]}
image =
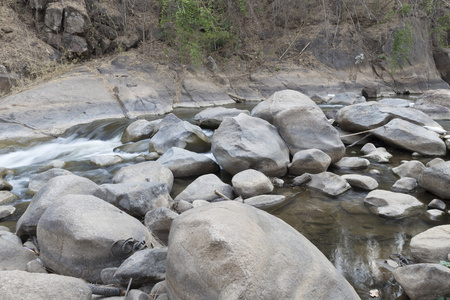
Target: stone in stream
{"points": [[213, 116], [182, 206], [424, 281], [245, 142], [150, 171], [204, 187], [411, 137], [435, 103], [25, 285], [5, 185], [92, 233], [144, 266], [180, 134], [106, 160], [39, 180], [328, 183], [396, 102], [185, 163], [437, 204], [52, 192], [13, 256], [158, 221], [393, 205], [379, 154], [436, 180], [212, 249], [405, 185], [302, 179], [347, 98], [436, 215], [138, 130], [137, 198], [265, 201], [249, 183], [6, 211], [11, 237], [434, 161], [305, 128], [279, 102], [361, 181], [309, 161], [352, 163], [411, 168], [58, 164], [432, 245], [137, 147]]}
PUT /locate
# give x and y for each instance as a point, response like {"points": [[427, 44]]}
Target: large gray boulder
{"points": [[432, 245], [137, 198], [213, 116], [203, 188], [13, 256], [181, 134], [185, 163], [38, 286], [138, 130], [229, 250], [436, 180], [411, 169], [328, 183], [245, 142], [393, 205], [81, 235], [158, 221], [52, 192], [411, 137], [361, 181], [249, 183], [435, 103], [279, 102], [150, 171], [424, 281], [309, 161], [305, 128]]}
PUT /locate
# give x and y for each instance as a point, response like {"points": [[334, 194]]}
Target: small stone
{"points": [[5, 185], [436, 215], [277, 182], [361, 181], [405, 185], [152, 156], [35, 266], [53, 164], [437, 204], [302, 179], [6, 197], [353, 163], [374, 172], [136, 295], [159, 289], [182, 206], [106, 160], [6, 211], [435, 161]]}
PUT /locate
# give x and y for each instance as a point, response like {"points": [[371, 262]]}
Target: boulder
{"points": [[212, 117], [393, 205], [249, 183], [361, 117], [6, 211], [52, 192], [185, 163], [279, 102], [137, 147], [361, 181], [424, 281], [158, 221], [435, 179], [5, 185], [305, 128], [212, 249], [203, 188], [38, 286], [347, 98], [158, 289], [144, 266], [183, 135], [434, 161], [371, 91], [106, 160], [181, 206], [411, 169], [11, 237], [377, 154], [136, 294], [328, 183], [81, 235], [437, 204], [405, 185], [39, 180], [302, 179], [352, 163], [245, 142], [432, 245], [265, 201], [138, 130], [411, 137], [54, 16], [396, 102], [435, 103], [6, 197], [13, 256], [309, 161], [76, 18], [150, 171], [54, 164], [137, 198]]}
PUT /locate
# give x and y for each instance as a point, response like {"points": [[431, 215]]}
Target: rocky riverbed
{"points": [[140, 229]]}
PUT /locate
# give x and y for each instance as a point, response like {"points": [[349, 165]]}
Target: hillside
{"points": [[392, 43]]}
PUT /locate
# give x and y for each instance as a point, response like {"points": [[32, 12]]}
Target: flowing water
{"points": [[356, 241]]}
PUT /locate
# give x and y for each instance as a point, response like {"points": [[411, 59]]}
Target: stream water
{"points": [[355, 240]]}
